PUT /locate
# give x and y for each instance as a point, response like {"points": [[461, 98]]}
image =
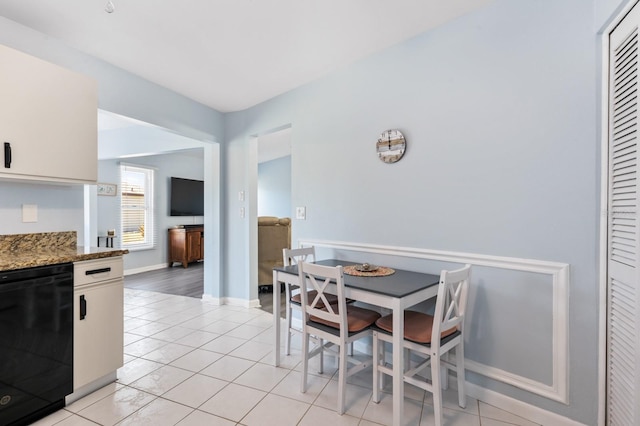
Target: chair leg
{"points": [[407, 359], [376, 374], [382, 377], [321, 369], [447, 370], [444, 373], [287, 339], [460, 372], [342, 378], [436, 388], [305, 362]]}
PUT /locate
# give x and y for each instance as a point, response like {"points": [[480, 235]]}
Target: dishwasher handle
{"points": [[83, 307]]}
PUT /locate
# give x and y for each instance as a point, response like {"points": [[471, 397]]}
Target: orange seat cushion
{"points": [[417, 326], [357, 319], [297, 299]]}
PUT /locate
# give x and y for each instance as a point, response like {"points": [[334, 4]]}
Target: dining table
{"points": [[397, 292]]}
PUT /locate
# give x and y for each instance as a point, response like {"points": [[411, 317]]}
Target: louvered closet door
{"points": [[623, 382]]}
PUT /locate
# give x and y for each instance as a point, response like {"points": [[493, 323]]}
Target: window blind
{"points": [[137, 207]]}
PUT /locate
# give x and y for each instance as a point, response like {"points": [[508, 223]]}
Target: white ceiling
{"points": [[274, 145], [233, 54], [116, 132]]}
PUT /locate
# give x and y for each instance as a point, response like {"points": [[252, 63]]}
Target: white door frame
{"points": [[251, 213], [604, 203]]}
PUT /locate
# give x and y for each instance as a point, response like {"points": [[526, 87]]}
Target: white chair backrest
{"points": [[318, 278], [294, 256], [451, 302]]}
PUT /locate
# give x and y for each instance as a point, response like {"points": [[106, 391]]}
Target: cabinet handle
{"points": [[97, 271], [7, 155], [83, 307]]}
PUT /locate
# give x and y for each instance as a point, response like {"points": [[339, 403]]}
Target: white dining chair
{"points": [[335, 325], [430, 337], [292, 291]]}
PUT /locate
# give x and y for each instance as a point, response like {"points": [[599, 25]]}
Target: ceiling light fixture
{"points": [[110, 7]]}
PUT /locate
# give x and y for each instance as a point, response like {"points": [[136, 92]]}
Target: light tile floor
{"points": [[190, 363]]}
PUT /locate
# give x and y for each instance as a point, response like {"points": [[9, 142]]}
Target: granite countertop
{"points": [[28, 250], [52, 256]]}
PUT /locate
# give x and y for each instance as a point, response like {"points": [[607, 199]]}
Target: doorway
{"points": [[272, 197], [132, 141]]}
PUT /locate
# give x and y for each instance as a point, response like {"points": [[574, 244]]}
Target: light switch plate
{"points": [[29, 213], [301, 213], [241, 196], [242, 212]]}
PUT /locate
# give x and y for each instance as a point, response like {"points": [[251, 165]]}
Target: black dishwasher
{"points": [[36, 342]]}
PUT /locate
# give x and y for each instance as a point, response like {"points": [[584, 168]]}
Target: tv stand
{"points": [[186, 244]]}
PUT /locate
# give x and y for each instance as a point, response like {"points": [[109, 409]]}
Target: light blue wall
{"points": [[274, 188], [59, 208], [166, 166], [119, 92], [605, 10], [499, 111]]}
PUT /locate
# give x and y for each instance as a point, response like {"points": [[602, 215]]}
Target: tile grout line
{"points": [[161, 308]]}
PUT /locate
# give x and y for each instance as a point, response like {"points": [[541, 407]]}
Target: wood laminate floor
{"points": [[181, 281], [174, 280]]}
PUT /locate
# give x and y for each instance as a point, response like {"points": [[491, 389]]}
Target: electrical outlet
{"points": [[301, 213], [242, 212], [29, 213], [241, 196]]}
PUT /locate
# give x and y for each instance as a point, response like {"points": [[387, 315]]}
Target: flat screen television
{"points": [[187, 197]]}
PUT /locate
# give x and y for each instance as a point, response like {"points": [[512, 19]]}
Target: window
{"points": [[136, 207]]}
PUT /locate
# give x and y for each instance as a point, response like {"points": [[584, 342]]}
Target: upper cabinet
{"points": [[48, 121]]}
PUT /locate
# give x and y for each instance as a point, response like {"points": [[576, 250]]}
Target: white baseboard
{"points": [[213, 300], [244, 303], [528, 411], [255, 303], [145, 269]]}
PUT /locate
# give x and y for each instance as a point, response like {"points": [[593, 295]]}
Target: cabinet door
{"points": [[194, 241], [49, 116], [177, 246], [98, 337]]}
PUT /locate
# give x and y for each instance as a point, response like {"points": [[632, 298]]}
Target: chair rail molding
{"points": [[559, 273]]}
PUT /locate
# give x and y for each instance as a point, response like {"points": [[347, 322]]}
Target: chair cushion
{"points": [[297, 299], [417, 326], [357, 319]]}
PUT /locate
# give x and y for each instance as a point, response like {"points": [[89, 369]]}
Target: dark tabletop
{"points": [[399, 284]]}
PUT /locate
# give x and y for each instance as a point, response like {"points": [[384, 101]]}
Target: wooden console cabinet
{"points": [[186, 245]]}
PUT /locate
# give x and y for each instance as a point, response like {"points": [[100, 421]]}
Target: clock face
{"points": [[391, 146]]}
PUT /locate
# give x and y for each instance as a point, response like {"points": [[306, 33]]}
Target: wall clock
{"points": [[391, 146]]}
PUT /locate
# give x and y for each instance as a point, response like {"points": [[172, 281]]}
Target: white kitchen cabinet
{"points": [[48, 118], [98, 322]]}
